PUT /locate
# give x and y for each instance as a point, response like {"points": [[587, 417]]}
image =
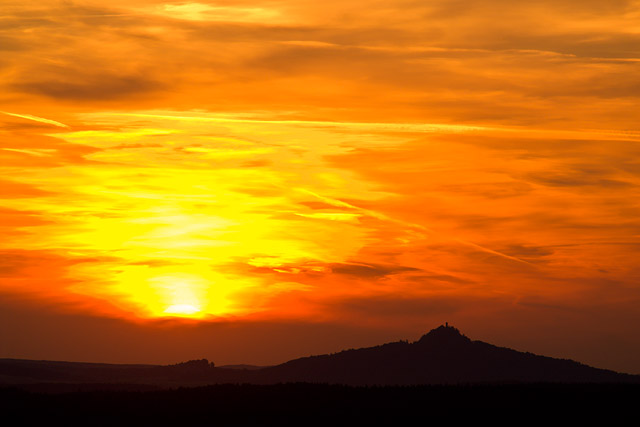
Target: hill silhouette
{"points": [[442, 356]]}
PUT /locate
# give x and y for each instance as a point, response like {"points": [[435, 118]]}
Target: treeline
{"points": [[316, 404], [200, 364]]}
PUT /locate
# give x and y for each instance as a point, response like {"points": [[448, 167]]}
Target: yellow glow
{"points": [[201, 216], [205, 12], [182, 310], [175, 232]]}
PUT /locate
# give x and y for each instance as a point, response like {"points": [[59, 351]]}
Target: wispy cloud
{"points": [[36, 119]]}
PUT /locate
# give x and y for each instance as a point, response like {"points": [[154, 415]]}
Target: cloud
{"points": [[528, 251], [428, 278], [12, 189], [205, 12], [26, 147], [443, 69], [321, 269], [578, 180], [103, 87], [369, 270], [13, 219], [490, 190]]}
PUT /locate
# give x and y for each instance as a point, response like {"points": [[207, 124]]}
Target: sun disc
{"points": [[182, 310]]}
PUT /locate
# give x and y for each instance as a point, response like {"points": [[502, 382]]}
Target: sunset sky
{"points": [[252, 181]]}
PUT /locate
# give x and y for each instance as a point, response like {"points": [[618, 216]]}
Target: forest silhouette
{"points": [[442, 377]]}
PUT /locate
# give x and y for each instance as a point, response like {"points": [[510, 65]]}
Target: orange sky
{"points": [[218, 177]]}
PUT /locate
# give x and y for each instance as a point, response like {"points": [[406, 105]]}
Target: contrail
{"points": [[36, 119], [340, 203], [394, 126], [416, 127]]}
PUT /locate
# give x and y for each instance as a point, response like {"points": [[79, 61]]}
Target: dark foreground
{"points": [[316, 404]]}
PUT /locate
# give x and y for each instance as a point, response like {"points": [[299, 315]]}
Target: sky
{"points": [[253, 181]]}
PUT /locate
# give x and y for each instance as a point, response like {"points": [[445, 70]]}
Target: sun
{"points": [[182, 310]]}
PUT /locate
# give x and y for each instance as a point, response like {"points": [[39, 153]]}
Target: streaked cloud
{"points": [[208, 12], [36, 119]]}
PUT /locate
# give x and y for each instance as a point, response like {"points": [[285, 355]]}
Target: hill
{"points": [[442, 356]]}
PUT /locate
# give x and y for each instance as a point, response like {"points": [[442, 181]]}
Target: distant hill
{"points": [[442, 356]]}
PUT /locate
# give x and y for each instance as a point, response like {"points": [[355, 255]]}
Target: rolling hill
{"points": [[442, 356]]}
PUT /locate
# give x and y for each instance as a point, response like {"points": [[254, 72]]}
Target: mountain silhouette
{"points": [[442, 356]]}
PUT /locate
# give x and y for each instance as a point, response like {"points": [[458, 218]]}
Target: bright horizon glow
{"points": [[196, 229], [182, 310]]}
